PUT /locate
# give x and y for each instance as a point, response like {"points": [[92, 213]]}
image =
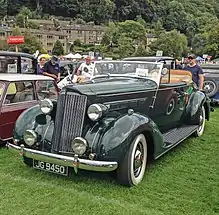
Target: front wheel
{"points": [[131, 170], [201, 127]]}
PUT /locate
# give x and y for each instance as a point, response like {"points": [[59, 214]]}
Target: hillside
{"points": [[181, 15]]}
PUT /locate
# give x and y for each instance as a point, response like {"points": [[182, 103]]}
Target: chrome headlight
{"points": [[46, 106], [95, 111], [79, 145], [30, 137]]}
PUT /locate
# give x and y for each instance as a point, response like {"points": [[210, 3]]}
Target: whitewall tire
{"points": [[131, 170], [201, 127]]}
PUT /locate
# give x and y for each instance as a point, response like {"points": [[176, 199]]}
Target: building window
{"points": [[80, 33], [49, 44], [61, 37], [63, 44], [49, 37], [2, 34], [68, 32]]}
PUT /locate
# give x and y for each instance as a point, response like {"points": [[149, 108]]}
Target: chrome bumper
{"points": [[75, 162]]}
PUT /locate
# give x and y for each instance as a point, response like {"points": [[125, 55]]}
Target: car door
{"points": [[19, 96], [169, 105]]}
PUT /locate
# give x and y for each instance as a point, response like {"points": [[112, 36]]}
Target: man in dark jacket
{"points": [[52, 69]]}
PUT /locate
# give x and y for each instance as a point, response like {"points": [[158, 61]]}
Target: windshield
{"points": [[46, 90], [147, 70], [2, 86]]}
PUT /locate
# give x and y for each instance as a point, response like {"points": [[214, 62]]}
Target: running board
{"points": [[177, 135]]}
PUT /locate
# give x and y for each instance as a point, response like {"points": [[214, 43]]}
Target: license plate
{"points": [[50, 167]]}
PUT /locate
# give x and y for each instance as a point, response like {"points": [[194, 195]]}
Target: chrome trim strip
{"points": [[92, 165]]}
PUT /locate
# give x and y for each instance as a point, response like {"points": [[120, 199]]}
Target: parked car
{"points": [[19, 92], [211, 81], [17, 62], [128, 113], [211, 73]]}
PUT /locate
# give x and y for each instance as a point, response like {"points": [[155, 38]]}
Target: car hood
{"points": [[114, 85]]}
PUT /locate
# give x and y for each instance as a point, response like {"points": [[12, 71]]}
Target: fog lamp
{"points": [[79, 145], [30, 137]]}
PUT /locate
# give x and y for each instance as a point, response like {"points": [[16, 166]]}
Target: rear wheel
{"points": [[210, 87], [131, 170], [201, 127]]}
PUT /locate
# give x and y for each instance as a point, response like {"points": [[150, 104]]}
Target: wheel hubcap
{"points": [[138, 160], [208, 86]]}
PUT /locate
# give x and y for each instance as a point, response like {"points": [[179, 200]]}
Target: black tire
{"points": [[210, 87], [201, 127], [131, 170]]}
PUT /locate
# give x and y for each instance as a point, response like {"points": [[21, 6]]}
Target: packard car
{"points": [[127, 113], [19, 92]]}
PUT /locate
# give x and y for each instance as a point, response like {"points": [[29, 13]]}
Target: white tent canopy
{"points": [[77, 56], [70, 55], [73, 56]]}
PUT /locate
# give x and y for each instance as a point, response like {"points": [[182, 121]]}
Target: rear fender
{"points": [[111, 142], [196, 100]]}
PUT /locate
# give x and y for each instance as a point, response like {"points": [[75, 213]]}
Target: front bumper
{"points": [[75, 162]]}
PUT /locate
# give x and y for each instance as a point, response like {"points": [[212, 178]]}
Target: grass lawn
{"points": [[184, 181]]}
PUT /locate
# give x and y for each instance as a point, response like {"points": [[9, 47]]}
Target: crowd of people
{"points": [[51, 68]]}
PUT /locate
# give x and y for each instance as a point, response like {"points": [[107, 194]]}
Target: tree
{"points": [[171, 43], [132, 29], [111, 34], [31, 44], [77, 42], [125, 46], [58, 48], [140, 51], [212, 41], [3, 11], [3, 45]]}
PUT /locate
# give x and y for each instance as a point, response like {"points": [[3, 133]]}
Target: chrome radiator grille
{"points": [[69, 120]]}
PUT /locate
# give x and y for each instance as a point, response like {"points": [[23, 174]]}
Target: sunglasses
{"points": [[190, 58]]}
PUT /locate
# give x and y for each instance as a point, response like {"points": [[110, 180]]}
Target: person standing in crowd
{"points": [[40, 66], [52, 68], [195, 69], [86, 68], [178, 64]]}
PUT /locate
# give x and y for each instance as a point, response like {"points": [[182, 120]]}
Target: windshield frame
{"points": [[154, 79], [3, 89]]}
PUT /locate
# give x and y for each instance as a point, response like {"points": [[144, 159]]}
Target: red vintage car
{"points": [[19, 92]]}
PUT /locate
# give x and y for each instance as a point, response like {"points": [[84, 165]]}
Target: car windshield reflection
{"points": [[147, 70], [46, 90]]}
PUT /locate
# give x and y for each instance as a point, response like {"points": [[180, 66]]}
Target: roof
{"points": [[151, 58], [16, 54], [23, 77]]}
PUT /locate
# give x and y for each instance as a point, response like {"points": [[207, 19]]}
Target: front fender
{"points": [[112, 142], [33, 119]]}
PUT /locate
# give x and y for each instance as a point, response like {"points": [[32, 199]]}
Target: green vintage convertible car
{"points": [[128, 112]]}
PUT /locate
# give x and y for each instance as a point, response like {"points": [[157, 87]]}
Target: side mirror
{"points": [[164, 71]]}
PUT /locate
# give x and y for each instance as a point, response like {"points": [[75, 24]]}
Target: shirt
{"points": [[196, 71], [52, 69], [86, 70], [40, 69]]}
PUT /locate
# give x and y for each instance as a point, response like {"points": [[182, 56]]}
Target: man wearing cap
{"points": [[197, 73], [52, 69]]}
